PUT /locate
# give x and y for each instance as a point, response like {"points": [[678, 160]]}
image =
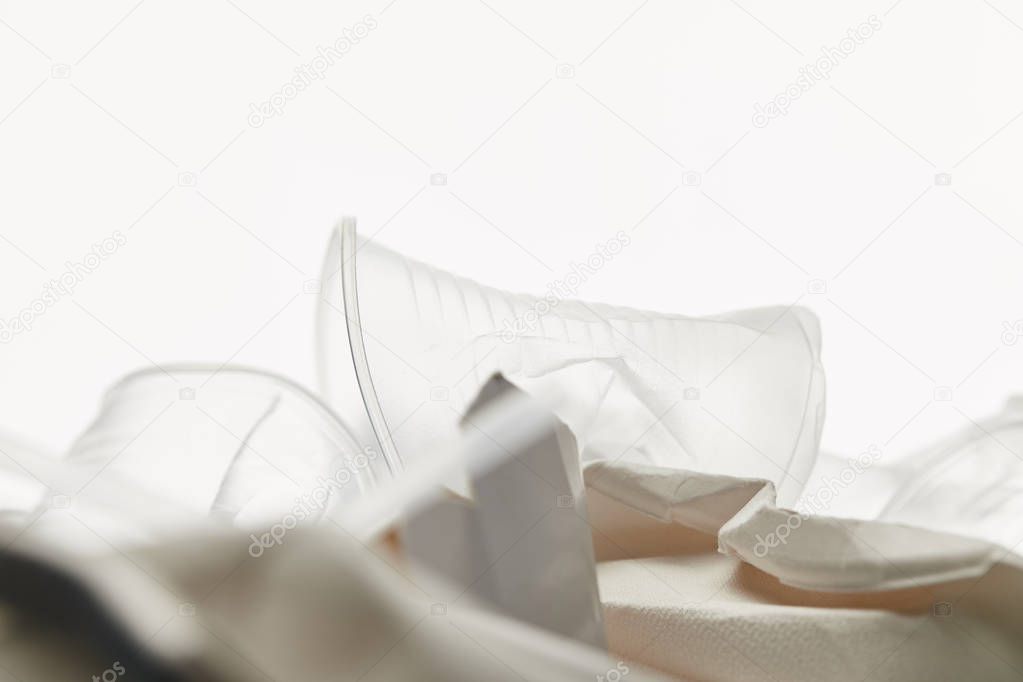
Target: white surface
{"points": [[158, 89]]}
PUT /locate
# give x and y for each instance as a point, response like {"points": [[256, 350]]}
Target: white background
{"points": [[108, 111]]}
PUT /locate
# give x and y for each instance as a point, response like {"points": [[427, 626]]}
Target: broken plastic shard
{"points": [[404, 348]]}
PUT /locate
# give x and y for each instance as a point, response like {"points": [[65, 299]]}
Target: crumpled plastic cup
{"points": [[740, 393]]}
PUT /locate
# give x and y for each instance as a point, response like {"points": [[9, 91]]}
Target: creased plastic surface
{"points": [[739, 394]]}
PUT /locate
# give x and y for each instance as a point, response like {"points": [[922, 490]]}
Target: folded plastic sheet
{"points": [[739, 394]]}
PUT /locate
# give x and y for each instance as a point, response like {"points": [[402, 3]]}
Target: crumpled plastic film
{"points": [[740, 393], [970, 484]]}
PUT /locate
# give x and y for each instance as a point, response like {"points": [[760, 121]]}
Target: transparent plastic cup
{"points": [[245, 446], [404, 348]]}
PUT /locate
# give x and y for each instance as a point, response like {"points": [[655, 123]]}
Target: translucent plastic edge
{"points": [[353, 322], [341, 434]]}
